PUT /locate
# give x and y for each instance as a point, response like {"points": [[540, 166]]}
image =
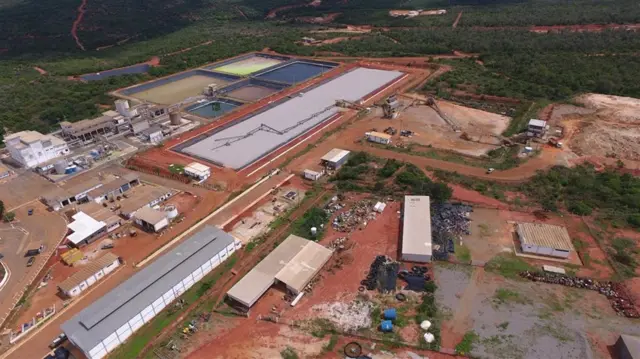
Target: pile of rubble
{"points": [[359, 215], [615, 292], [348, 317], [382, 275], [449, 221], [339, 244]]}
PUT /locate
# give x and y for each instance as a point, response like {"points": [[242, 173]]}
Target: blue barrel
{"points": [[386, 326], [390, 314]]}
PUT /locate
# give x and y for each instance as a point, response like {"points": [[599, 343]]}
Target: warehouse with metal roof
{"points": [[249, 139], [544, 239], [294, 263], [89, 274], [108, 322], [335, 158], [416, 229]]}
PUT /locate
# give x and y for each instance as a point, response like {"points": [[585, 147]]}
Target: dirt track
{"points": [[76, 23]]}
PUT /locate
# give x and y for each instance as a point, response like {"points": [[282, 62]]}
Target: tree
{"points": [[9, 216], [1, 208]]}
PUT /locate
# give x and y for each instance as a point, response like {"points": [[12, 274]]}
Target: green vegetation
{"points": [[314, 217], [462, 252], [390, 167], [466, 344], [428, 310], [624, 252], [9, 216], [413, 180], [503, 326], [508, 265], [333, 340], [289, 353], [176, 169], [320, 327]]}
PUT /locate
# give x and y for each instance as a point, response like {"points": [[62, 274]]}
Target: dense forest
{"points": [[510, 62]]}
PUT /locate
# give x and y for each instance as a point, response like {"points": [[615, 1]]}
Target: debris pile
{"points": [[616, 293], [348, 317], [449, 221], [338, 244], [360, 214], [382, 275]]}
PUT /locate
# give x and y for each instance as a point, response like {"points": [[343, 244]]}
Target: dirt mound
{"points": [[607, 139], [613, 108]]}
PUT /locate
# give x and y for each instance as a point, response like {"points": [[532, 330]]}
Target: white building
{"points": [[378, 137], [31, 148], [89, 274], [105, 324], [536, 128], [85, 229], [312, 175], [416, 229], [197, 171], [151, 220], [544, 239]]}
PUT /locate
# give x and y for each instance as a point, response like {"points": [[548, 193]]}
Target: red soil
{"points": [[40, 70], [76, 24]]}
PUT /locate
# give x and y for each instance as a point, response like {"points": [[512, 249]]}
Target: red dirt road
{"points": [[76, 23], [455, 23]]}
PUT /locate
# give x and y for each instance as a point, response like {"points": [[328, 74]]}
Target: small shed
{"points": [[151, 220], [197, 171], [312, 175], [335, 158], [378, 137]]}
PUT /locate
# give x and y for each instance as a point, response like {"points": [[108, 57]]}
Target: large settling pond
{"points": [[295, 72]]}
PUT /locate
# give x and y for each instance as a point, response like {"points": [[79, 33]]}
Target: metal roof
{"points": [[294, 262], [537, 123], [199, 168], [87, 271], [545, 235], [83, 226], [231, 147], [416, 226], [335, 155], [150, 215], [633, 345], [379, 134], [304, 266], [94, 323]]}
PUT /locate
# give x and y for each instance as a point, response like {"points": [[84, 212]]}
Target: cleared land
{"points": [[179, 90], [251, 93], [606, 127], [247, 66]]}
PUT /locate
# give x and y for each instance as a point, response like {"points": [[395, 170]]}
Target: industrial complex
{"points": [[288, 198]]}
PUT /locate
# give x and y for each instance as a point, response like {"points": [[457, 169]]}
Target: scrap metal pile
{"points": [[616, 293], [382, 275], [449, 221], [359, 215]]}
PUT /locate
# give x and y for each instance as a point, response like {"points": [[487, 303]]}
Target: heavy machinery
{"points": [[391, 107], [554, 142], [431, 102], [349, 105]]}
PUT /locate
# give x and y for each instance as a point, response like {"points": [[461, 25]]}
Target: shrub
{"points": [[580, 208]]}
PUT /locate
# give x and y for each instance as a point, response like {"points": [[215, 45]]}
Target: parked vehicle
{"points": [[58, 341], [490, 170], [30, 211], [31, 261]]}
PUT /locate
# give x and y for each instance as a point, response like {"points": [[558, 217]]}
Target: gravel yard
{"points": [[525, 320]]}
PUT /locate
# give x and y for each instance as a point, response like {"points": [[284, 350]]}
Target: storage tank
{"points": [[390, 314], [122, 106], [174, 119], [171, 212], [386, 326], [60, 166]]}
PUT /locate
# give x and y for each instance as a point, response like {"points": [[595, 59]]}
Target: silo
{"points": [[171, 211], [122, 106], [174, 119], [60, 166]]}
